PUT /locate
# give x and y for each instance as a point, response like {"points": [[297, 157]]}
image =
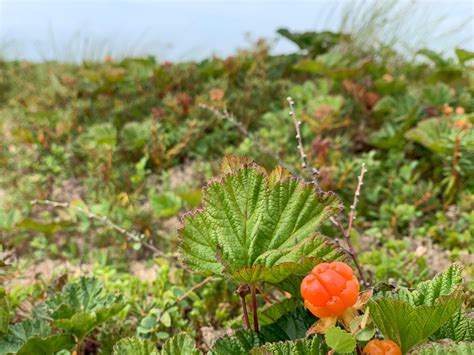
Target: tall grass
{"points": [[406, 25]]}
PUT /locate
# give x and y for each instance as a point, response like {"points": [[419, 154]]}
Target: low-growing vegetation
{"points": [[312, 203]]}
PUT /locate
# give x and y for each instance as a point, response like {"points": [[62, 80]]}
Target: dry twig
{"points": [[347, 233], [313, 171], [360, 182], [131, 236]]}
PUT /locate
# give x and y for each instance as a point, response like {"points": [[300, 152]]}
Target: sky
{"points": [[191, 30]]}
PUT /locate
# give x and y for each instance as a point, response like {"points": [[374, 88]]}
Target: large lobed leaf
{"points": [[409, 326], [460, 326], [180, 344], [313, 346], [291, 326], [256, 226], [83, 306], [17, 335]]}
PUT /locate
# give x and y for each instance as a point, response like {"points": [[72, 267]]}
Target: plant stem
{"points": [[253, 294], [243, 291], [351, 251], [79, 347]]}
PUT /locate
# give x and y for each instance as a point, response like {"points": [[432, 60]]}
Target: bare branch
{"points": [[131, 236], [351, 250], [312, 171], [360, 182]]}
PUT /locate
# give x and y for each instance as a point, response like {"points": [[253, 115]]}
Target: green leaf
{"points": [[256, 226], [339, 340], [47, 346], [440, 134], [135, 346], [85, 295], [437, 95], [239, 343], [275, 311], [79, 324], [445, 348], [18, 334], [99, 135], [409, 325], [433, 56], [83, 306], [312, 346], [135, 135], [180, 344], [166, 319], [290, 326], [464, 55], [314, 42], [458, 327], [166, 204]]}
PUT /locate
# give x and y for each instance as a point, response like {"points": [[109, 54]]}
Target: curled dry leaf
{"points": [[322, 325]]}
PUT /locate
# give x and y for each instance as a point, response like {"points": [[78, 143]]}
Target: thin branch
{"points": [[131, 236], [360, 182], [313, 171], [195, 287], [351, 250], [225, 115], [253, 294]]}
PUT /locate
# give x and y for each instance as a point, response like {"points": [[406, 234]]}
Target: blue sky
{"points": [[177, 30]]}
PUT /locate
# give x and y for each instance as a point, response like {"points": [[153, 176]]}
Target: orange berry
{"points": [[330, 289], [382, 347]]}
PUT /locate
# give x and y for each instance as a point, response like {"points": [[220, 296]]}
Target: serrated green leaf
{"points": [[312, 346], [85, 295], [239, 343], [409, 325], [18, 334], [256, 226], [83, 306], [443, 284], [290, 326], [47, 346], [135, 346], [445, 348], [180, 344], [339, 340], [79, 324], [440, 134], [275, 311], [458, 327]]}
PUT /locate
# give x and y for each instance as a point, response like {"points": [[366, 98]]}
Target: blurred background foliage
{"points": [[135, 139]]}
